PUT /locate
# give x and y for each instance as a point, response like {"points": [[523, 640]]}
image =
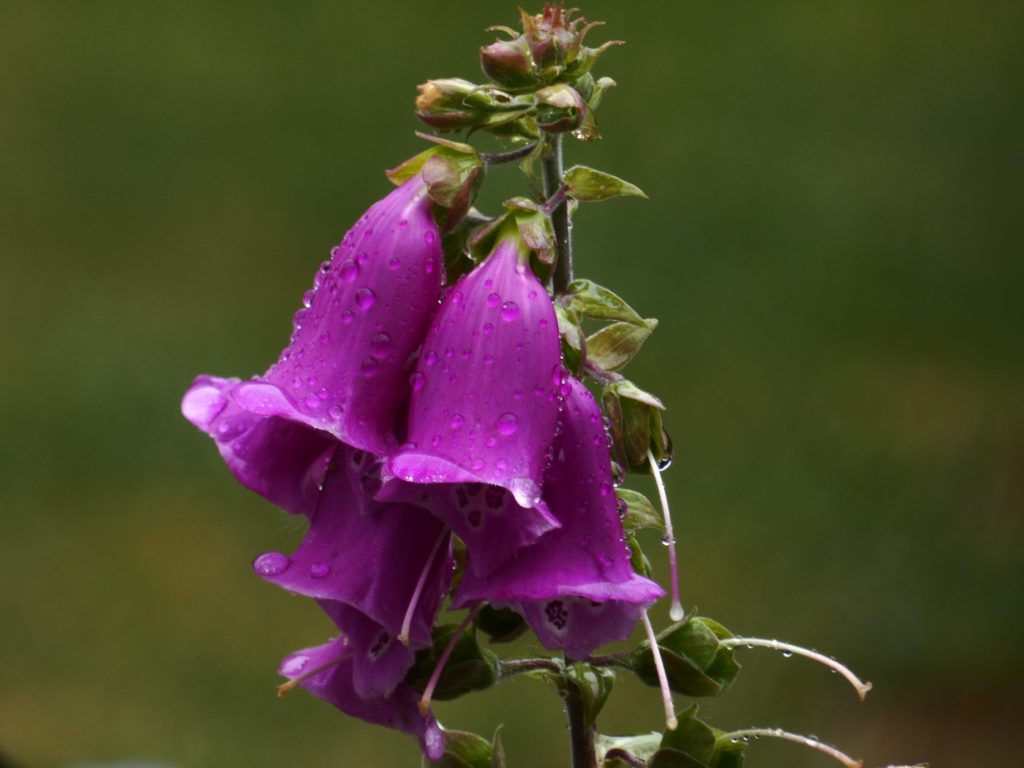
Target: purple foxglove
{"points": [[327, 672], [575, 586], [485, 399], [379, 570], [343, 372]]}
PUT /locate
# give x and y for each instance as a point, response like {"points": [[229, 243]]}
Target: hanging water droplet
{"points": [[271, 564], [787, 654]]}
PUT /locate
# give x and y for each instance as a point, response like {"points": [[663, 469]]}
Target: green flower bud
{"points": [[560, 108], [509, 63]]}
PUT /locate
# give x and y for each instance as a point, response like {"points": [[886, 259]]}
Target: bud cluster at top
{"points": [[540, 82]]}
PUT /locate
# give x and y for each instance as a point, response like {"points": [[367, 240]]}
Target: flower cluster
{"points": [[408, 419]]}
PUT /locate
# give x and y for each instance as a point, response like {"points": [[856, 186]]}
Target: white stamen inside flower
{"points": [[659, 666], [808, 741], [410, 611]]}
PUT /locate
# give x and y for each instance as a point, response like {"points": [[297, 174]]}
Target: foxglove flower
{"points": [[378, 570], [327, 671], [575, 586], [343, 372], [485, 401]]}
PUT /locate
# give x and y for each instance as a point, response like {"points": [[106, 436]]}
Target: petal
{"points": [[368, 555], [379, 661], [344, 371], [488, 384], [558, 581], [282, 461], [334, 684]]}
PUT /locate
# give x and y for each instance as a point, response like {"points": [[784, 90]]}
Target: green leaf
{"points": [[590, 185], [463, 750], [640, 513], [696, 664], [638, 559], [612, 347], [589, 299], [594, 684]]}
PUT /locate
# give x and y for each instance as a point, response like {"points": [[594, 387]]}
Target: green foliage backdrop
{"points": [[832, 245]]}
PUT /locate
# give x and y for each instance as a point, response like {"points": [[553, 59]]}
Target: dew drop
{"points": [[369, 367], [507, 424], [429, 238], [488, 359], [509, 311], [416, 381], [312, 401], [380, 344], [430, 358], [365, 298], [457, 421], [457, 298], [394, 263], [335, 411], [477, 464], [319, 570], [493, 300], [325, 338], [347, 317], [271, 564], [488, 329], [349, 271]]}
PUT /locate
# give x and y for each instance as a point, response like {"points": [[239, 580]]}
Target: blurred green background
{"points": [[832, 244]]}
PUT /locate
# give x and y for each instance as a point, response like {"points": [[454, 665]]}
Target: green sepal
{"points": [[463, 750], [695, 744], [630, 410], [589, 299], [637, 557], [470, 667], [574, 343], [612, 347], [594, 685], [498, 751], [501, 625], [452, 180], [537, 231], [696, 663], [640, 513], [641, 747], [589, 185]]}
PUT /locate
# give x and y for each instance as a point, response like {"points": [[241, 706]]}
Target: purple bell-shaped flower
{"points": [[379, 571], [327, 671], [485, 398], [344, 372], [575, 586]]}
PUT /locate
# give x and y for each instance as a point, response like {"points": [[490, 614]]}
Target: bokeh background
{"points": [[832, 244]]}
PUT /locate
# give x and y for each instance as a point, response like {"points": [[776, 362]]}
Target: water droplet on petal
{"points": [[380, 344], [349, 271], [335, 411], [507, 424], [319, 570], [493, 300], [271, 564], [429, 238], [312, 401], [488, 329], [369, 367], [365, 298], [509, 311], [430, 358], [416, 381], [457, 421], [347, 317]]}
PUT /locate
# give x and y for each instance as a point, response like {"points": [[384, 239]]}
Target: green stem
{"points": [[551, 168], [581, 737]]}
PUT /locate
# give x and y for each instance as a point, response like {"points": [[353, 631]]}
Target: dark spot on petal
{"points": [[556, 613]]}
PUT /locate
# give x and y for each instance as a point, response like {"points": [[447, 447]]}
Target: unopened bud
{"points": [[509, 63], [560, 108], [442, 103]]}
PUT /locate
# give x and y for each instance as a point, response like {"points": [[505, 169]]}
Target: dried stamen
{"points": [[659, 666], [676, 610], [787, 649]]}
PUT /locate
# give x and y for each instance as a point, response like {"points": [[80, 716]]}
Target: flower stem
{"points": [[808, 741], [675, 611], [581, 737], [859, 685], [512, 667], [551, 168]]}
